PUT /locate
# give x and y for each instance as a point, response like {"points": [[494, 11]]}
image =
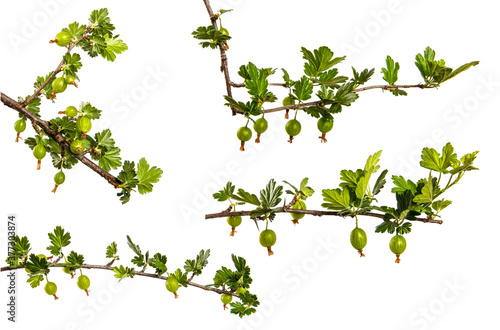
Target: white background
{"points": [[447, 277]]}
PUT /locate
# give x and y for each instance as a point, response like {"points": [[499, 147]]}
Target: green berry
{"points": [[226, 299], [83, 283], [59, 85], [83, 124], [51, 289], [172, 285], [292, 128], [20, 125], [77, 146], [63, 39], [244, 134], [234, 221], [71, 111], [358, 240], [267, 238], [397, 246], [299, 205]]}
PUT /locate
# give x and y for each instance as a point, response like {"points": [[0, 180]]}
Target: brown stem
{"points": [[37, 92], [323, 138], [137, 273], [233, 231], [397, 259], [223, 58], [45, 126], [361, 254], [317, 213], [257, 140], [55, 188], [269, 251], [242, 146]]}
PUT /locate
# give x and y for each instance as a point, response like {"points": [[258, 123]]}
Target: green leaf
{"points": [[286, 77], [34, 106], [104, 140], [110, 159], [391, 71], [196, 266], [140, 259], [89, 111], [270, 196], [320, 61], [345, 94], [361, 187], [114, 46], [427, 194], [379, 184], [21, 247], [75, 30], [58, 239], [386, 226], [433, 161], [181, 277], [303, 89], [147, 176], [72, 62], [35, 280], [37, 265], [461, 69], [363, 77], [75, 260], [159, 263], [224, 194], [350, 178], [211, 36], [402, 185], [439, 205], [112, 251], [405, 228], [465, 163], [336, 199], [122, 272], [62, 125], [246, 197]]}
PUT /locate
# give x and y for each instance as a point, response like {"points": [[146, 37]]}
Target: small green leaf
{"points": [[111, 251], [246, 197], [58, 239], [391, 71], [302, 89], [336, 199], [147, 176]]}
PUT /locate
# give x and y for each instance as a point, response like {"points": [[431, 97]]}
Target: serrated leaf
{"points": [[379, 184], [246, 197], [391, 71], [386, 226], [319, 61], [224, 194], [111, 251], [122, 272], [402, 185], [147, 176], [336, 199], [302, 89], [439, 205], [58, 240], [270, 196], [427, 194], [111, 160], [114, 46]]}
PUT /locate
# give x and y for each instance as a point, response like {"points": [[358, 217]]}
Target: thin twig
{"points": [[230, 84], [317, 213], [45, 126], [137, 273], [56, 71]]}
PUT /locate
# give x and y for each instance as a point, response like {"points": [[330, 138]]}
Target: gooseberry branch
{"points": [[45, 126], [230, 84], [318, 213], [136, 273], [37, 92]]}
